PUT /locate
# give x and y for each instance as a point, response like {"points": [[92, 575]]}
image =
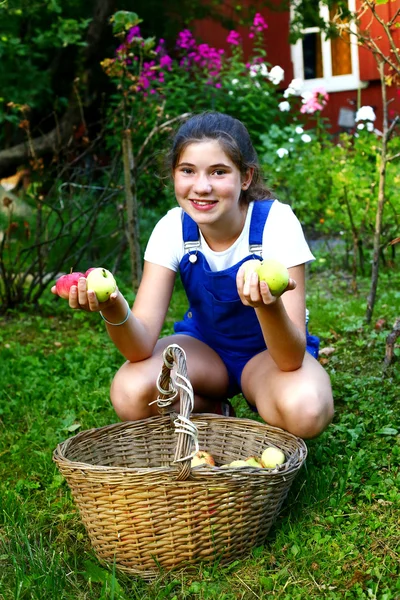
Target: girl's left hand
{"points": [[256, 293]]}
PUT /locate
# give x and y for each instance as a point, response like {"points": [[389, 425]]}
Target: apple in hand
{"points": [[250, 266], [272, 457], [201, 457], [275, 275], [64, 283], [101, 282]]}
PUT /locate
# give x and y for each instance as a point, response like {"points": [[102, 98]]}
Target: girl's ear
{"points": [[247, 179]]}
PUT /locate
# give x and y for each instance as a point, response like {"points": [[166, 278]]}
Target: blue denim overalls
{"points": [[216, 315]]}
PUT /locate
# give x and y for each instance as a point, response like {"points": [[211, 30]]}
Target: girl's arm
{"points": [[137, 337], [282, 319]]}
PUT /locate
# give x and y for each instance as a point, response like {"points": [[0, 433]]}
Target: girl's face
{"points": [[208, 184]]}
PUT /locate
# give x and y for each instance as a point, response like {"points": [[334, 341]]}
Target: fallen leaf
{"points": [[380, 324], [327, 351]]}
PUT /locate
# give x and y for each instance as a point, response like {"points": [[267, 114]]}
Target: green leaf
{"points": [[123, 20], [95, 573], [387, 431], [73, 427]]}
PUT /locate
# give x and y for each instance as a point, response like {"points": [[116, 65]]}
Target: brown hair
{"points": [[235, 141]]}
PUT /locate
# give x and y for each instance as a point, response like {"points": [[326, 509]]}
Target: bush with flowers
{"points": [[329, 183], [154, 84], [332, 183]]}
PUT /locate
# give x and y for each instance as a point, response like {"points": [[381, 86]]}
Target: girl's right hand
{"points": [[82, 298]]}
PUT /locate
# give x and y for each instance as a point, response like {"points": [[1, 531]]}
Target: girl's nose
{"points": [[202, 185]]}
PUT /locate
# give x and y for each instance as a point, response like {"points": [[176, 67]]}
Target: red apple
{"points": [[64, 283], [202, 458], [89, 270]]}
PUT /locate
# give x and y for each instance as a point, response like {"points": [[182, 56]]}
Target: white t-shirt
{"points": [[283, 240]]}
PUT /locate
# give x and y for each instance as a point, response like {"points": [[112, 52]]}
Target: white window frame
{"points": [[331, 83]]}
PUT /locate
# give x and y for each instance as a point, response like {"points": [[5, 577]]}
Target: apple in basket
{"points": [[272, 457], [237, 464], [201, 457], [254, 461]]}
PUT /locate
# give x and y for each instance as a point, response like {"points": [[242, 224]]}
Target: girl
{"points": [[237, 336]]}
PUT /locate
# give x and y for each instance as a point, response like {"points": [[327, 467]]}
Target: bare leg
{"points": [[134, 385], [298, 401]]}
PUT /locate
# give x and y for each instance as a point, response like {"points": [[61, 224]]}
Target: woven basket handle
{"points": [[170, 386]]}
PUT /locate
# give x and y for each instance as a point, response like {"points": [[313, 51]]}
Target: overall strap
{"points": [[259, 217], [191, 234]]}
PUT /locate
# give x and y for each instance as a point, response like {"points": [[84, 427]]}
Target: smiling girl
{"points": [[237, 337]]}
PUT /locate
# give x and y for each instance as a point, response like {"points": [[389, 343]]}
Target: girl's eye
{"points": [[186, 170], [219, 172]]}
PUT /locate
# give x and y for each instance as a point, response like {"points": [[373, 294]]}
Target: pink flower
{"points": [[132, 33], [185, 39], [259, 21], [166, 62], [314, 101], [259, 25], [233, 38]]}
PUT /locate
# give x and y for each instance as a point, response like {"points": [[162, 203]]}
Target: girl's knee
{"points": [[307, 412], [131, 392]]}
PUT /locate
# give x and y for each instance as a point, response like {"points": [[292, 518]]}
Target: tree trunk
{"points": [[132, 228], [381, 199], [53, 141], [390, 342]]}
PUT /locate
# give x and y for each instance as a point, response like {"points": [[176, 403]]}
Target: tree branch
{"points": [[58, 137]]}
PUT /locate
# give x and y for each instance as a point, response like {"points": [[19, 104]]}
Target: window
{"points": [[330, 63]]}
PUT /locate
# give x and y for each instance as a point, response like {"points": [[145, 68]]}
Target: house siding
{"points": [[278, 53]]}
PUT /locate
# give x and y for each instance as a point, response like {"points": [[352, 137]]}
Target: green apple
{"points": [[272, 457], [238, 463], [275, 275], [250, 266], [101, 282], [253, 461]]}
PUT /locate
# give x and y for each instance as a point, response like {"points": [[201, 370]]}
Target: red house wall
{"points": [[278, 53]]}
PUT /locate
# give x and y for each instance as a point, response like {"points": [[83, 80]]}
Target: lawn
{"points": [[338, 533]]}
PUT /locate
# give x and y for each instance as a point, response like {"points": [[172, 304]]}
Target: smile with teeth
{"points": [[203, 202]]}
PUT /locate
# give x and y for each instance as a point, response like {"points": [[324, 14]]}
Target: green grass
{"points": [[338, 534]]}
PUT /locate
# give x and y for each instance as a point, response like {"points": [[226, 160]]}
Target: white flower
{"points": [[370, 126], [284, 106], [299, 129], [261, 69], [365, 113], [235, 81], [230, 93], [306, 96], [281, 152], [306, 138], [361, 126], [294, 88], [276, 74]]}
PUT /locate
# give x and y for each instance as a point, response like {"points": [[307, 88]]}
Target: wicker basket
{"points": [[143, 505]]}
